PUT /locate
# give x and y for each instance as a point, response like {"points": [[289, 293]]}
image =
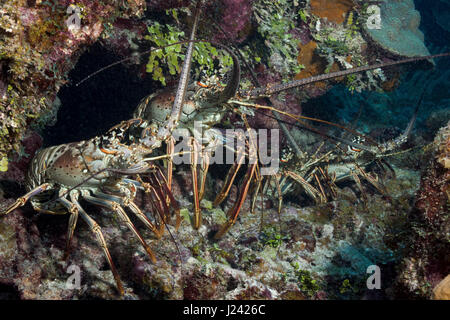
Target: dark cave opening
{"points": [[99, 103]]}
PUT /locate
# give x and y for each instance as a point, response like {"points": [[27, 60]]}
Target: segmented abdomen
{"points": [[41, 161]]}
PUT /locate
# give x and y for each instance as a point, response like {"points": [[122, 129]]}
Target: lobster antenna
{"points": [[268, 90], [306, 127], [419, 103], [146, 52], [403, 136], [127, 59], [181, 90], [185, 70], [166, 226], [281, 87], [391, 144]]}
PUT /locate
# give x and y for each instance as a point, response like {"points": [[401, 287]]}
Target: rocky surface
{"points": [[427, 262], [303, 253]]}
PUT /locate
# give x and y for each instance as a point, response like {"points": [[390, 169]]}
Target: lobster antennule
{"points": [[182, 85], [401, 139]]}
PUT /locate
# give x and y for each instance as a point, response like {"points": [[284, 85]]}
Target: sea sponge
{"points": [[442, 290], [331, 9], [399, 32]]}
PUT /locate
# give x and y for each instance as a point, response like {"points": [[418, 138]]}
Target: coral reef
{"points": [[167, 4], [19, 163], [428, 261], [435, 190], [40, 44], [235, 20], [317, 44], [275, 25], [313, 64], [170, 58], [443, 147]]}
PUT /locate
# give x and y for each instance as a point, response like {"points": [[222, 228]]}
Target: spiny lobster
{"points": [[101, 170], [204, 108]]}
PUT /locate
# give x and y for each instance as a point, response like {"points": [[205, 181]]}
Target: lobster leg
{"points": [[95, 228], [234, 211], [133, 207], [72, 223], [231, 175], [123, 216], [156, 201], [232, 172], [323, 196], [173, 202], [330, 182], [280, 195], [194, 159], [157, 207], [373, 181], [255, 194], [170, 151], [306, 185], [141, 216], [22, 200], [252, 166], [355, 177], [161, 194]]}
